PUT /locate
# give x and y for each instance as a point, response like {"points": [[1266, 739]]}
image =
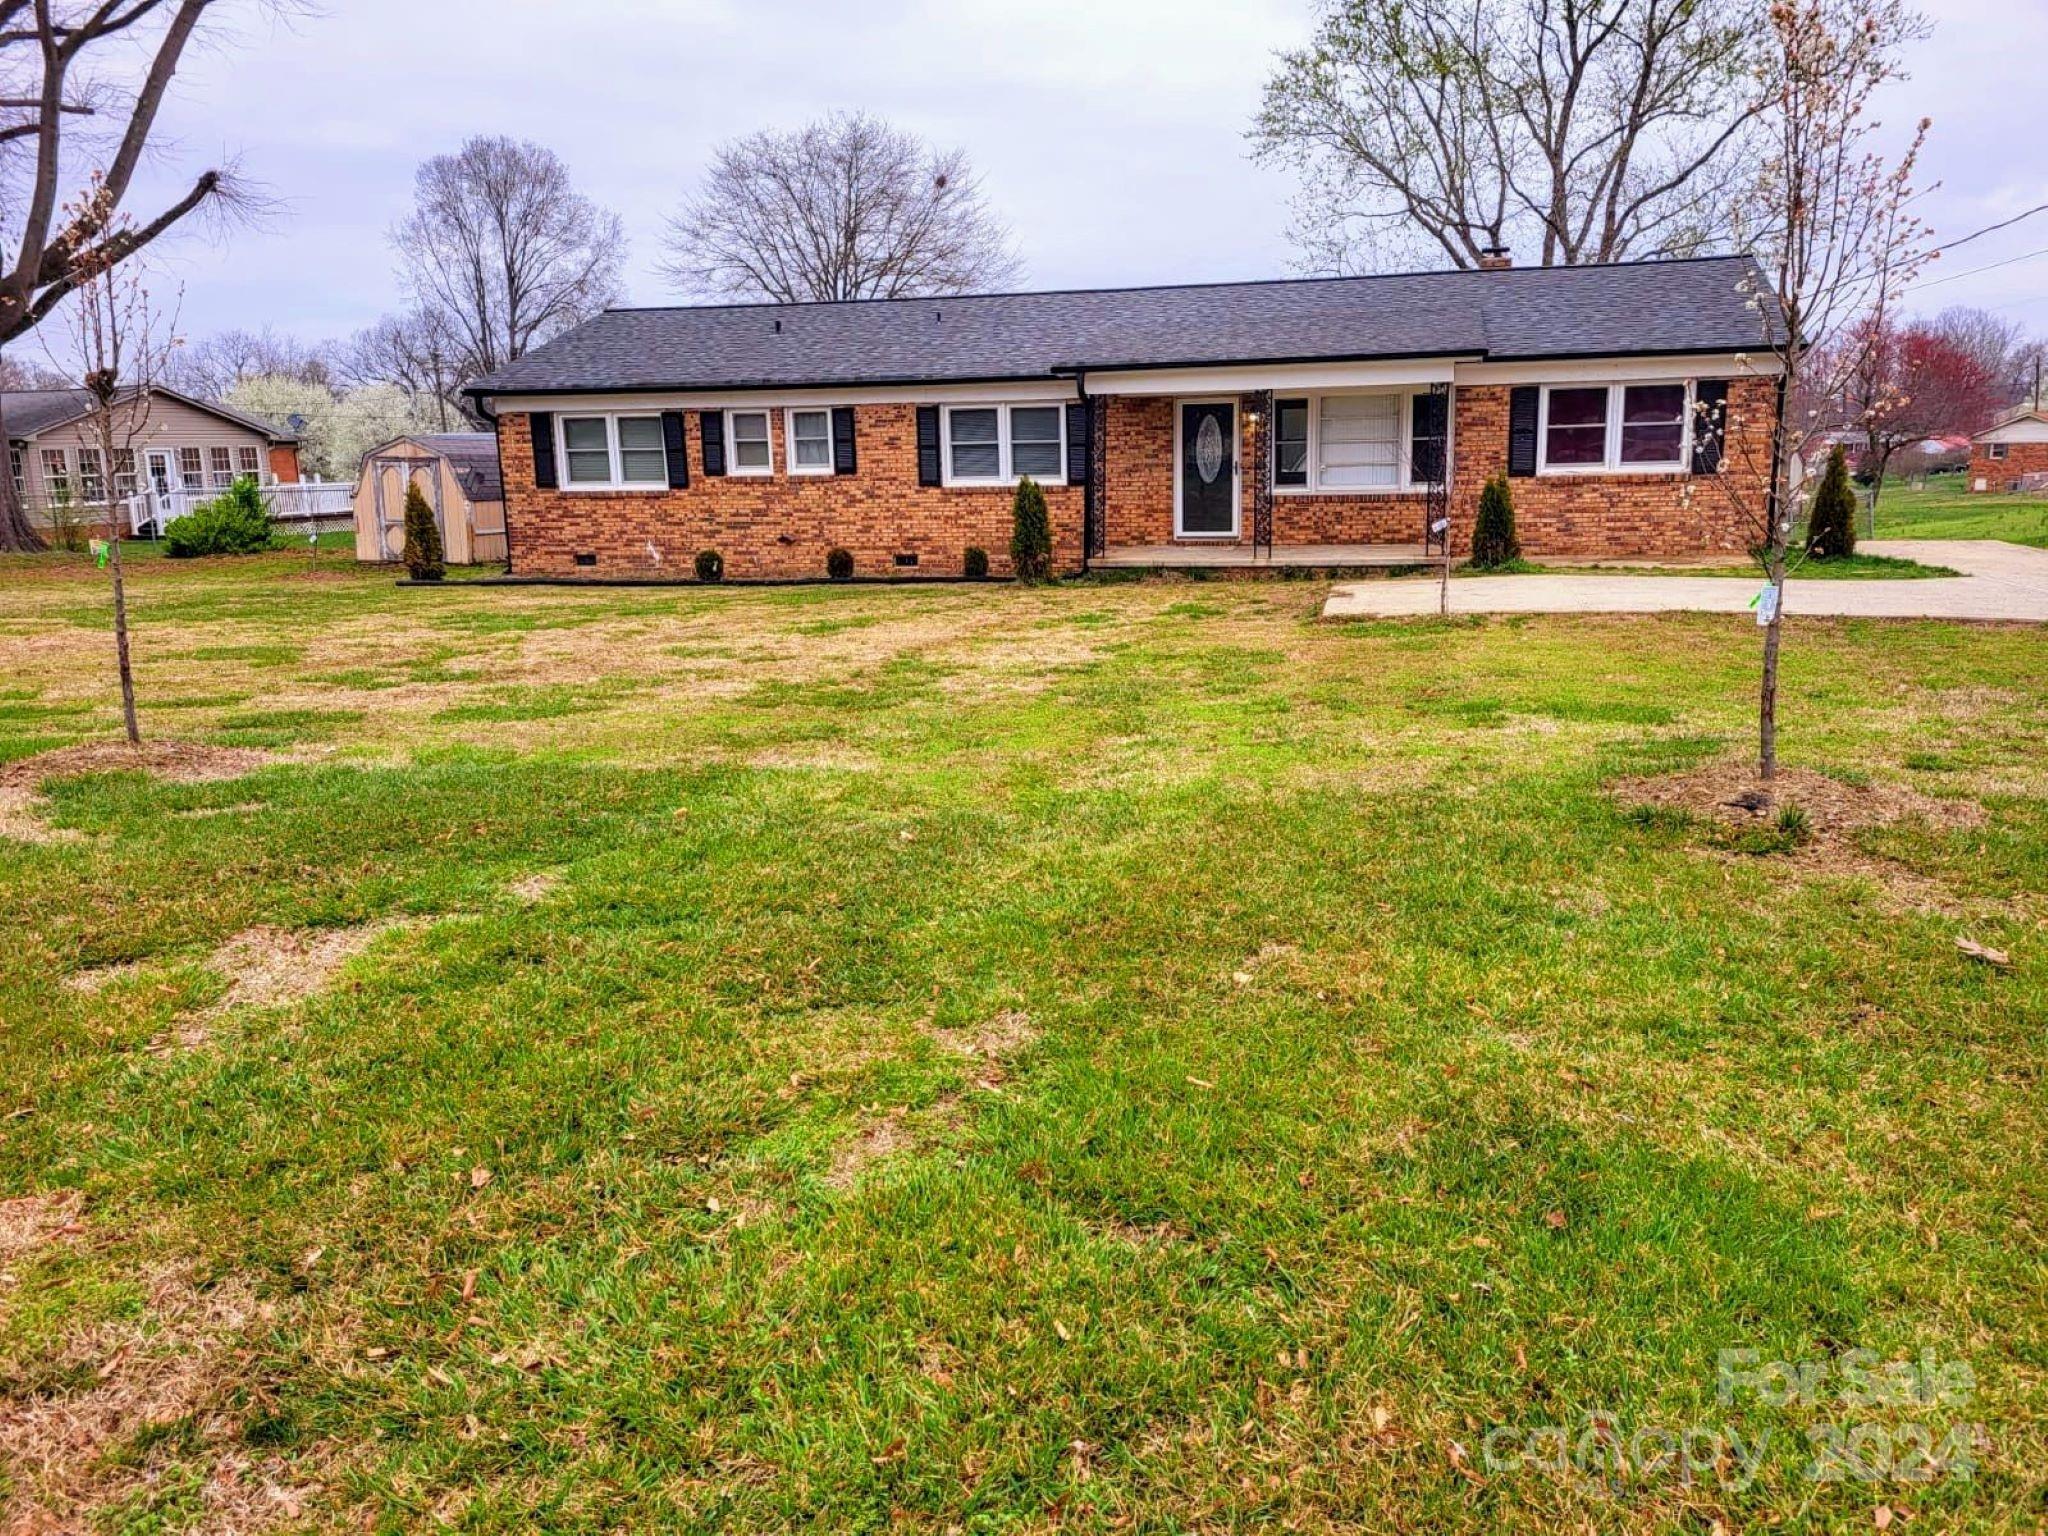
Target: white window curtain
{"points": [[1359, 442]]}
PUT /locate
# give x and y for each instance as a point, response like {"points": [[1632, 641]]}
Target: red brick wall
{"points": [[1619, 516], [779, 525], [284, 463], [1999, 474]]}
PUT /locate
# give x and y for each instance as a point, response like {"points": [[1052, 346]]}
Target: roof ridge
{"points": [[1239, 282]]}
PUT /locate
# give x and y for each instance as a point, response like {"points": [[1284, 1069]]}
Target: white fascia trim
{"points": [[2025, 430], [1047, 391], [1624, 370], [1279, 377]]}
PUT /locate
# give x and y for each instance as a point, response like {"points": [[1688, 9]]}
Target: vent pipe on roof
{"points": [[1495, 258]]}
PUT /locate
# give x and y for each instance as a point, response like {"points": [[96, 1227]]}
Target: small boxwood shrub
{"points": [[710, 565], [975, 566], [233, 523], [1030, 532], [1493, 535], [424, 560], [839, 565]]}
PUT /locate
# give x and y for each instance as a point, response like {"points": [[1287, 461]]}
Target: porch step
{"points": [[1215, 556]]}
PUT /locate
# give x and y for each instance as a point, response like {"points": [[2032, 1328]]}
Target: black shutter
{"points": [[1709, 425], [1426, 439], [1079, 444], [712, 425], [1282, 409], [843, 461], [1522, 429], [543, 424], [672, 445], [927, 445]]}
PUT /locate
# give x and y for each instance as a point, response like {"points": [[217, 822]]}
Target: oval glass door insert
{"points": [[1208, 449]]}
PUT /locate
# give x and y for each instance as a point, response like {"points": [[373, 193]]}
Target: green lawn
{"points": [[1096, 1058], [1946, 509]]}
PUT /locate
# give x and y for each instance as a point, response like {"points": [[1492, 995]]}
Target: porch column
{"points": [[1258, 466]]}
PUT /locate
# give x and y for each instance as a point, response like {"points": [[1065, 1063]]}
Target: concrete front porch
{"points": [[1230, 556]]}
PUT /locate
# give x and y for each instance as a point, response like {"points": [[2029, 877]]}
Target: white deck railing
{"points": [[311, 501]]}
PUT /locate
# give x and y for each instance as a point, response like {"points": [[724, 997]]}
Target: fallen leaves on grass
{"points": [[1984, 952], [80, 1452]]}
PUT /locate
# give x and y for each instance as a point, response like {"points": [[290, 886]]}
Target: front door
{"points": [[1206, 476]]}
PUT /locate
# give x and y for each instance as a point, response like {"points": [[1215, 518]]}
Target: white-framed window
{"points": [[1357, 443], [57, 474], [1994, 450], [124, 471], [248, 461], [1000, 444], [748, 448], [14, 468], [220, 467], [809, 433], [611, 453], [191, 470], [92, 485], [1610, 428]]}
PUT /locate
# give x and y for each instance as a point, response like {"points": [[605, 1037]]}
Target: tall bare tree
{"points": [[503, 252], [1838, 242], [1580, 130], [845, 208], [80, 81], [415, 352]]}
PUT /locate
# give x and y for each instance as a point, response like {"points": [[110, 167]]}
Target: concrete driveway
{"points": [[1999, 581]]}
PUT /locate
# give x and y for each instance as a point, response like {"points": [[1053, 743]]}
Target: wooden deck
{"points": [[1241, 556]]}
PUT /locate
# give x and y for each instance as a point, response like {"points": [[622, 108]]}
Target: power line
{"points": [[1936, 282], [1990, 229]]}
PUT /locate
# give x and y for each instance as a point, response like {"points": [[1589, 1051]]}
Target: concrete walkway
{"points": [[2000, 581]]}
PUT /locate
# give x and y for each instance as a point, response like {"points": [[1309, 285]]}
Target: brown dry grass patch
{"points": [[892, 1134], [176, 1365], [267, 967], [1003, 1034], [178, 762], [26, 1223], [1729, 792], [534, 888]]}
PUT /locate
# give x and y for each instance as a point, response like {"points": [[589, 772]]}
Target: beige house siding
{"points": [[171, 426], [472, 533]]}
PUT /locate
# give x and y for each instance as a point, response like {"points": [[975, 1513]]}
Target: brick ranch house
{"points": [[2008, 449], [1309, 422]]}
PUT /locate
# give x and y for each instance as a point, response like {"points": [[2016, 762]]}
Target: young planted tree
{"points": [[1030, 532], [120, 348], [1582, 130], [844, 208], [1838, 242], [81, 80], [423, 556], [1831, 529]]}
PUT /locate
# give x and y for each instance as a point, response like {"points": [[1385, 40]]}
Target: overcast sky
{"points": [[1110, 133]]}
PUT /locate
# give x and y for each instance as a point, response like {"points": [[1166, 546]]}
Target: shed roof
{"points": [[1703, 305]]}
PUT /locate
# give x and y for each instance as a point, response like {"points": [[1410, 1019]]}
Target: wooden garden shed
{"points": [[457, 472]]}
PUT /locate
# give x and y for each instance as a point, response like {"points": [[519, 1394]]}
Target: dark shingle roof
{"points": [[27, 413], [1530, 312], [474, 458]]}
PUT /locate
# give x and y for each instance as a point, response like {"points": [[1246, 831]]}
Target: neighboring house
{"points": [[457, 473], [181, 443], [2008, 449], [1318, 421]]}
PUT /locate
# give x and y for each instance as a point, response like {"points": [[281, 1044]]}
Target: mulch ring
{"points": [[1729, 793]]}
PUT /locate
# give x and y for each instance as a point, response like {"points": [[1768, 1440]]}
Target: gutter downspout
{"points": [[1091, 493]]}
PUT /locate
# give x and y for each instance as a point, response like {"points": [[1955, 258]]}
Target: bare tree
{"points": [[17, 373], [80, 78], [121, 346], [1591, 130], [844, 208], [213, 365], [503, 252], [416, 353], [1839, 245]]}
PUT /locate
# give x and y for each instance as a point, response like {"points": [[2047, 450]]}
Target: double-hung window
{"points": [[220, 467], [191, 475], [247, 462], [124, 471], [92, 485], [14, 468], [999, 444], [613, 453], [1588, 427], [57, 474], [747, 446], [810, 442], [1290, 442], [1994, 451]]}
